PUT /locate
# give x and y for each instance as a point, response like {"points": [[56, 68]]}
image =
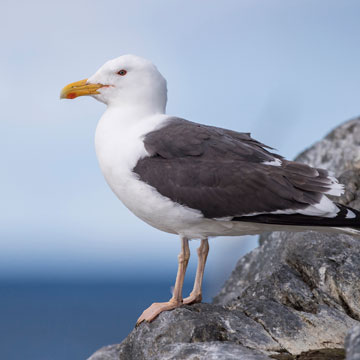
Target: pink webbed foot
{"points": [[155, 309]]}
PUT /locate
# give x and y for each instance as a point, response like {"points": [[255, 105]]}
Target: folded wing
{"points": [[224, 174]]}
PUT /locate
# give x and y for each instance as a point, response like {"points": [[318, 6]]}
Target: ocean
{"points": [[49, 315], [60, 320]]}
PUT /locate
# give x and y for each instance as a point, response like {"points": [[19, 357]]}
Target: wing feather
{"points": [[222, 172]]}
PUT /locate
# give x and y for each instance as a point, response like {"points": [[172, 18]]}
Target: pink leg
{"points": [[196, 294], [156, 308]]}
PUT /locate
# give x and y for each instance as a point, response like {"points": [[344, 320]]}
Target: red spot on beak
{"points": [[71, 96]]}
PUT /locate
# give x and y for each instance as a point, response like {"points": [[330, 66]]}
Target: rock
{"points": [[296, 296], [189, 351], [201, 331], [352, 344], [110, 352], [305, 291], [338, 151]]}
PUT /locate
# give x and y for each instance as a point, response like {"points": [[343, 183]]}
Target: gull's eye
{"points": [[122, 72]]}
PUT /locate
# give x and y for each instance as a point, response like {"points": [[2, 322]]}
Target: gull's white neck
{"points": [[129, 114]]}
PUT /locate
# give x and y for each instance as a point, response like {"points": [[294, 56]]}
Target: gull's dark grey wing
{"points": [[223, 173]]}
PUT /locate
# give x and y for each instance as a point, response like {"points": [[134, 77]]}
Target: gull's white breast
{"points": [[119, 145]]}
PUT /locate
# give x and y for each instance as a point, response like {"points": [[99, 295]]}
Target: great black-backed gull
{"points": [[196, 180]]}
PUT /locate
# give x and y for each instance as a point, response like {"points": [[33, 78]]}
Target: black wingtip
{"points": [[346, 217]]}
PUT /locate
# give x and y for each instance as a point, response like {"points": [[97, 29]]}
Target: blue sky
{"points": [[287, 71]]}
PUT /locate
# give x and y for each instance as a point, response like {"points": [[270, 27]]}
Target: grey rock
{"points": [[110, 352], [338, 151], [305, 290], [201, 331], [296, 296], [352, 344], [198, 324], [190, 351]]}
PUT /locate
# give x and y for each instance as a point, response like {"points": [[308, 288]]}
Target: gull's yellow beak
{"points": [[79, 88]]}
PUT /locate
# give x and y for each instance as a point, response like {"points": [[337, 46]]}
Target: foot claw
{"points": [[155, 309]]}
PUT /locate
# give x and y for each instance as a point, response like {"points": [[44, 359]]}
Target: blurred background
{"points": [[76, 267]]}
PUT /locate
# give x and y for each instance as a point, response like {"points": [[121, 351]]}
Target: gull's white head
{"points": [[128, 80]]}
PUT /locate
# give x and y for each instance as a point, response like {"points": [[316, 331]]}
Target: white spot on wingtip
{"points": [[274, 162], [350, 214], [325, 208], [336, 188]]}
